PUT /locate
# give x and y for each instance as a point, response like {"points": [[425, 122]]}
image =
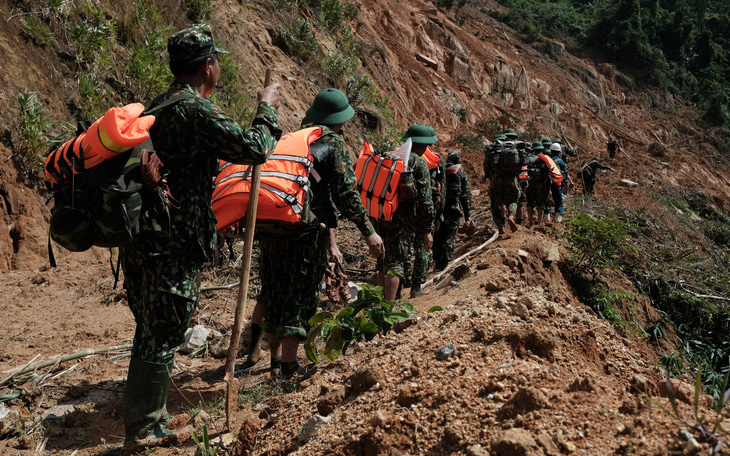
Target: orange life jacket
{"points": [[284, 183], [432, 159], [377, 180], [524, 174], [553, 169], [117, 131]]}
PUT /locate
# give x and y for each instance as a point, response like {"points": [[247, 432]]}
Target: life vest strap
{"points": [[291, 200]]}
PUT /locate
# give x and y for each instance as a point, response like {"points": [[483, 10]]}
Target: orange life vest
{"points": [[523, 174], [117, 131], [377, 180], [432, 159], [553, 169], [284, 183]]}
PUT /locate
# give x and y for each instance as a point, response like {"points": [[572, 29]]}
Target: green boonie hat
{"points": [[537, 145], [557, 140], [420, 134], [192, 43], [500, 138], [510, 133], [546, 142], [330, 107], [454, 157]]}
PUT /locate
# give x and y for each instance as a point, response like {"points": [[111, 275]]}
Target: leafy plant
{"points": [[89, 40], [32, 140], [203, 442], [232, 95], [199, 10], [461, 113], [369, 315], [711, 431], [336, 67], [299, 39], [37, 31]]}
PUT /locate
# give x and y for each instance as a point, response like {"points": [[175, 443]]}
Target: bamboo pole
{"points": [[230, 378], [456, 261]]}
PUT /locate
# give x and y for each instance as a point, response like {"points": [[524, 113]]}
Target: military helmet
{"points": [[330, 107], [500, 138], [454, 157], [546, 142], [557, 140], [537, 145], [420, 134], [510, 133]]}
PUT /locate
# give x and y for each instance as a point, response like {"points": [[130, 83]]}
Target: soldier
{"points": [[538, 178], [566, 152], [612, 146], [293, 266], [414, 217], [457, 202], [556, 190], [162, 274], [504, 189], [422, 258], [587, 174]]}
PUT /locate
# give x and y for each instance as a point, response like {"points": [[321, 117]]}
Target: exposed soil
{"points": [[533, 371]]}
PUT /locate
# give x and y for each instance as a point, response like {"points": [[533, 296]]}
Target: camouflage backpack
{"points": [[113, 204], [536, 168], [506, 157]]}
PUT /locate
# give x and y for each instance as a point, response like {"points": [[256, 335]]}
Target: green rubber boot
{"points": [[145, 398]]}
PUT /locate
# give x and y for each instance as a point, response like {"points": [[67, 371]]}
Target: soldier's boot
{"points": [[512, 224], [559, 217], [500, 226], [416, 290], [145, 410], [254, 346]]}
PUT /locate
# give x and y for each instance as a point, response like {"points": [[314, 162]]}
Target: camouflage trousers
{"points": [[163, 292], [397, 241], [537, 193], [504, 190], [421, 259], [444, 242], [291, 271]]}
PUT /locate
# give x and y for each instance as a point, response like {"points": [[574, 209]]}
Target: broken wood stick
{"points": [[456, 261], [50, 362]]}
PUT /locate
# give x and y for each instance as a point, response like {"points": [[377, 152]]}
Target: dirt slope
{"points": [[533, 373]]}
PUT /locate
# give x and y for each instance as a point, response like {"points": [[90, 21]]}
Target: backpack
{"points": [[105, 193], [506, 158], [379, 180], [536, 168], [284, 195]]}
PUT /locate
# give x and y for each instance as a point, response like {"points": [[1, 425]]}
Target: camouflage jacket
{"points": [[337, 183], [438, 181], [417, 213], [189, 137], [457, 195], [589, 169]]}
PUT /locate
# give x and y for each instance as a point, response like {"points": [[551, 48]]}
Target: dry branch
{"points": [[456, 261]]}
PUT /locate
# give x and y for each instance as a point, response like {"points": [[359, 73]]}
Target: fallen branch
{"points": [[225, 287], [456, 261], [31, 367], [705, 296]]}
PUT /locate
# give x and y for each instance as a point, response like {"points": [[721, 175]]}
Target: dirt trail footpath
{"points": [[512, 365]]}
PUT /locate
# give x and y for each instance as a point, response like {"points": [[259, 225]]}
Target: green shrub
{"points": [[31, 138], [336, 68], [299, 39], [89, 41], [231, 95], [469, 141], [37, 31], [199, 10]]}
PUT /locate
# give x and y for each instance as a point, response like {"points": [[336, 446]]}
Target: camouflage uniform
{"points": [[587, 174], [457, 202], [413, 218], [292, 267], [538, 183], [161, 275], [422, 258], [612, 146], [504, 190]]}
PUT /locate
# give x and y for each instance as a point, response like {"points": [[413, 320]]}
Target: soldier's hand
{"points": [[270, 95], [375, 245], [428, 242], [335, 255]]}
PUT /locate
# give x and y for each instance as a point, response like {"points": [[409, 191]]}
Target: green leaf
{"points": [[398, 274], [408, 307], [435, 309], [310, 347], [320, 317], [346, 312], [369, 328]]}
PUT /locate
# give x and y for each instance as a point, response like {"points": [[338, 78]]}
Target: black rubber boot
{"points": [[416, 290], [254, 346], [145, 398]]}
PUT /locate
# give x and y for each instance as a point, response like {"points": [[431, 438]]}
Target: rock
{"points": [[462, 271], [522, 254], [494, 285], [431, 63], [331, 400], [445, 351], [8, 418], [555, 108], [444, 282], [550, 253], [476, 450], [194, 338], [518, 309], [627, 183], [684, 392], [515, 442], [460, 68], [547, 444], [526, 301], [201, 418], [641, 384], [365, 378], [380, 418], [247, 434], [218, 345], [311, 427], [476, 192], [354, 289], [524, 401]]}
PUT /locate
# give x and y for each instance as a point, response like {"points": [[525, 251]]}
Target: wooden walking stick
{"points": [[230, 378]]}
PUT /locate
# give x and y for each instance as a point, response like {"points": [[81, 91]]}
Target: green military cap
{"points": [[192, 43], [420, 134], [546, 142], [454, 157], [500, 138], [557, 140], [330, 107], [537, 145], [510, 133]]}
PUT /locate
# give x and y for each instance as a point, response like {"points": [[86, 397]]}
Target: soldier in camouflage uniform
{"points": [[588, 173], [162, 274], [422, 257], [293, 266], [457, 202], [414, 217], [504, 189]]}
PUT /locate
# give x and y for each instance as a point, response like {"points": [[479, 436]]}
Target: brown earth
{"points": [[534, 372]]}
